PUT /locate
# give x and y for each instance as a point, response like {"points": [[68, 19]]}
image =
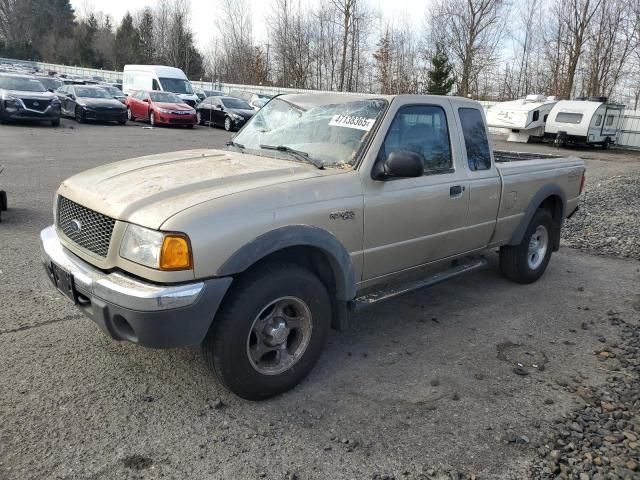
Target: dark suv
{"points": [[22, 97]]}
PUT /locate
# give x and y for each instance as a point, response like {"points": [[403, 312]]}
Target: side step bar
{"points": [[458, 268]]}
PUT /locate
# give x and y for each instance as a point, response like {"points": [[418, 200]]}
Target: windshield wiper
{"points": [[239, 146], [299, 154]]}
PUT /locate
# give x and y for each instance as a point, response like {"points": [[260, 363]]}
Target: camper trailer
{"points": [[158, 77], [587, 122], [524, 118]]}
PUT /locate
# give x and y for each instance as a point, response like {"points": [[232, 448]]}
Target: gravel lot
{"points": [[475, 378]]}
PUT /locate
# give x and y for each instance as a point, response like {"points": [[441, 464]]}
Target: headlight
{"points": [[163, 110], [55, 101], [153, 249], [235, 116], [11, 101]]}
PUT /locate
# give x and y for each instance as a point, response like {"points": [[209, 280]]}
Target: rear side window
{"points": [[475, 139], [156, 85], [536, 115], [566, 117]]}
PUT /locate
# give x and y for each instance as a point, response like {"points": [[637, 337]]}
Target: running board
{"points": [[458, 269]]}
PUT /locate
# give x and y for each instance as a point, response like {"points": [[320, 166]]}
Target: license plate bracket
{"points": [[64, 282]]}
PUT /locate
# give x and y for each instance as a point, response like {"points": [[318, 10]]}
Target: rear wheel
{"points": [[270, 331], [526, 262]]}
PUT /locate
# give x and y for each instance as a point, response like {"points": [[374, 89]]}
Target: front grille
{"points": [[95, 229], [183, 121], [31, 104]]}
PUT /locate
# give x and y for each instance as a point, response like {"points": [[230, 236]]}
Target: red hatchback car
{"points": [[160, 108]]}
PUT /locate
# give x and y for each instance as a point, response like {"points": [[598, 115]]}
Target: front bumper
{"points": [[129, 309], [51, 113], [101, 116], [171, 119]]}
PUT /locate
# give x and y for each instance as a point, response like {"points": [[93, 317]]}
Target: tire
{"points": [[152, 119], [130, 116], [4, 204], [3, 121], [605, 144], [200, 120], [230, 349], [122, 122], [79, 116], [190, 126], [526, 262], [55, 123], [228, 126]]}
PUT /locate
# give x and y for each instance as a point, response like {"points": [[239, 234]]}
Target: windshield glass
{"points": [[213, 93], [51, 83], [113, 91], [331, 134], [91, 93], [236, 103], [176, 85], [165, 97], [21, 84]]}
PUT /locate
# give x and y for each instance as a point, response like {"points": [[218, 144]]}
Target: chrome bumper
{"points": [[115, 288]]}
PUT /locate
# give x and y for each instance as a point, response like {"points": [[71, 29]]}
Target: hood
{"points": [[173, 106], [100, 102], [32, 95], [149, 190]]}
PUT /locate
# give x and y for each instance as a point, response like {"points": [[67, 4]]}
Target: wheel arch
{"points": [[311, 246], [552, 198]]}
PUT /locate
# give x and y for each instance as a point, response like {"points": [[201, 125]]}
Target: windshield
{"points": [[176, 85], [21, 84], [51, 83], [213, 93], [236, 103], [331, 134], [113, 91], [165, 97], [91, 93]]}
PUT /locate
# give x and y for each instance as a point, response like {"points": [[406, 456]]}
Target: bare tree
{"points": [[473, 31]]}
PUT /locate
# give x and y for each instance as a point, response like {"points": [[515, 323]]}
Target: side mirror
{"points": [[403, 164], [220, 107], [146, 100]]}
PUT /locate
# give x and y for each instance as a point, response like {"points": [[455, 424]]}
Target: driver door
{"points": [[413, 221]]}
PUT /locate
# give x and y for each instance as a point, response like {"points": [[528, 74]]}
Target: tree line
{"points": [[50, 31], [486, 49]]}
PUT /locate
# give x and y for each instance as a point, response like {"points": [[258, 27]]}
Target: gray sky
{"points": [[203, 12]]}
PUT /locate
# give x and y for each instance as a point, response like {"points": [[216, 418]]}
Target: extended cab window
{"points": [[421, 129], [475, 139]]}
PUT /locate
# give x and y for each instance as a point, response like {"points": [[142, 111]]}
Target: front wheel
{"points": [[80, 117], [527, 261], [152, 119], [270, 332], [200, 120], [228, 126], [130, 116]]}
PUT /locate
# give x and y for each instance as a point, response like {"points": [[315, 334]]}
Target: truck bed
{"points": [[503, 156]]}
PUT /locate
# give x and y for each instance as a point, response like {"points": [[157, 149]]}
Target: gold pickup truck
{"points": [[322, 204]]}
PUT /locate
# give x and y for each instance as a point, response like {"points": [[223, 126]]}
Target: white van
{"points": [[158, 77], [591, 122]]}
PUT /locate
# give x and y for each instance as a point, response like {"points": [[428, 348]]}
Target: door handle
{"points": [[456, 191]]}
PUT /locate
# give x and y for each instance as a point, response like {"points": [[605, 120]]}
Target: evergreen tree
{"points": [[440, 78], [126, 45], [146, 32]]}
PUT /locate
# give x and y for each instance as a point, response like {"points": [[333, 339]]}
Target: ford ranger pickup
{"points": [[321, 205]]}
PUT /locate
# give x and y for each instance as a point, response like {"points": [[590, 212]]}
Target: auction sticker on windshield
{"points": [[349, 121]]}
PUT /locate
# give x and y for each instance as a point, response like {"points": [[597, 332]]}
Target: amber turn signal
{"points": [[175, 253]]}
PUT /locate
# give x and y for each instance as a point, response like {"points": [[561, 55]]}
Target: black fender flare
{"points": [[545, 192], [297, 236]]}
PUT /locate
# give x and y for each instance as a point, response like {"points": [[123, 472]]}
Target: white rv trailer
{"points": [[590, 122], [158, 77], [524, 118]]}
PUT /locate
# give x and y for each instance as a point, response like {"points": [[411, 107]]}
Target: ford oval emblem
{"points": [[75, 226]]}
